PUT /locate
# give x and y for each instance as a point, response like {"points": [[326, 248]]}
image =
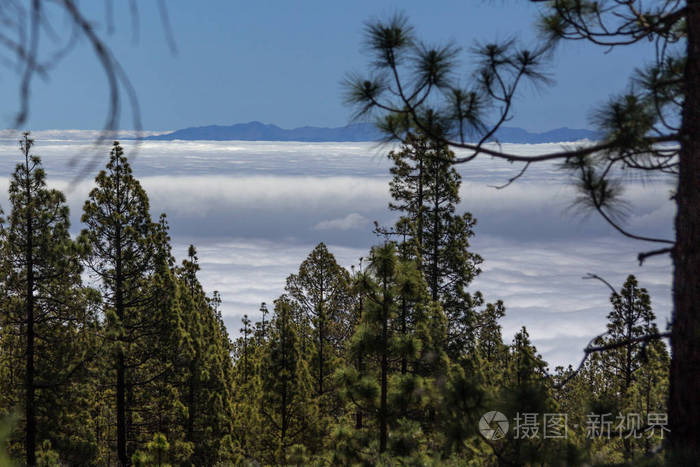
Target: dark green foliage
{"points": [[388, 364], [286, 407], [651, 128], [425, 190], [526, 390], [393, 387], [47, 319], [631, 378], [320, 296], [207, 370], [120, 237]]}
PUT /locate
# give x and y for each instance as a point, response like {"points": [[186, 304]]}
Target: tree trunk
{"points": [[361, 370], [630, 318], [684, 403], [284, 409], [121, 367], [434, 280], [30, 409], [321, 336], [191, 400], [419, 204], [404, 331], [630, 321], [121, 411], [383, 409]]}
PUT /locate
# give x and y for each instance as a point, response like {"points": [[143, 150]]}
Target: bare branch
{"points": [[644, 255], [590, 349], [513, 178], [166, 26], [595, 276]]}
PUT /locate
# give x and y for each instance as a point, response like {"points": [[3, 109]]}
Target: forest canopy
{"points": [[113, 352]]}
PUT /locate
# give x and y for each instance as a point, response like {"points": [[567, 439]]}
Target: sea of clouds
{"points": [[256, 209]]}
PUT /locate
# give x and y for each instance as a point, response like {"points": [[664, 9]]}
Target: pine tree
{"points": [[156, 453], [286, 406], [425, 190], [652, 127], [246, 330], [208, 371], [320, 291], [247, 424], [490, 347], [119, 233], [47, 320], [193, 300], [157, 386], [630, 318], [392, 385], [261, 327], [408, 190], [526, 396], [629, 380], [647, 396]]}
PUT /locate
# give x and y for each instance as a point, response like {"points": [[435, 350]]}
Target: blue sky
{"points": [[281, 62]]}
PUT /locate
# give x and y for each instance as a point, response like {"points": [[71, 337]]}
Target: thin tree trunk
{"points": [[129, 411], [684, 403], [360, 369], [436, 243], [245, 355], [30, 409], [628, 362], [121, 411], [121, 367], [190, 401], [419, 203], [404, 331], [284, 414], [321, 335], [383, 409]]}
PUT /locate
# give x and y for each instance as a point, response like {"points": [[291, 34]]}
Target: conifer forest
{"points": [[395, 361]]}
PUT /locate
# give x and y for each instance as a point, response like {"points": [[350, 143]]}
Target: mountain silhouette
{"points": [[356, 132]]}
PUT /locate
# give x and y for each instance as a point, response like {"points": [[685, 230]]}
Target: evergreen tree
{"points": [[652, 127], [246, 330], [47, 320], [320, 291], [156, 382], [357, 292], [208, 371], [320, 296], [119, 234], [395, 395], [647, 397], [630, 319], [425, 190], [287, 409], [526, 396], [490, 347], [629, 380], [247, 422], [262, 326]]}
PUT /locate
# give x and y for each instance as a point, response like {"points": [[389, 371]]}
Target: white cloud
{"points": [[540, 283], [256, 209], [352, 221], [78, 135]]}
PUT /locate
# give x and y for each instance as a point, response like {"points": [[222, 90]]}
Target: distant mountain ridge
{"points": [[356, 132]]}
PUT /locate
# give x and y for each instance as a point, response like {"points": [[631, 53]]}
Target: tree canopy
{"points": [[652, 127]]}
